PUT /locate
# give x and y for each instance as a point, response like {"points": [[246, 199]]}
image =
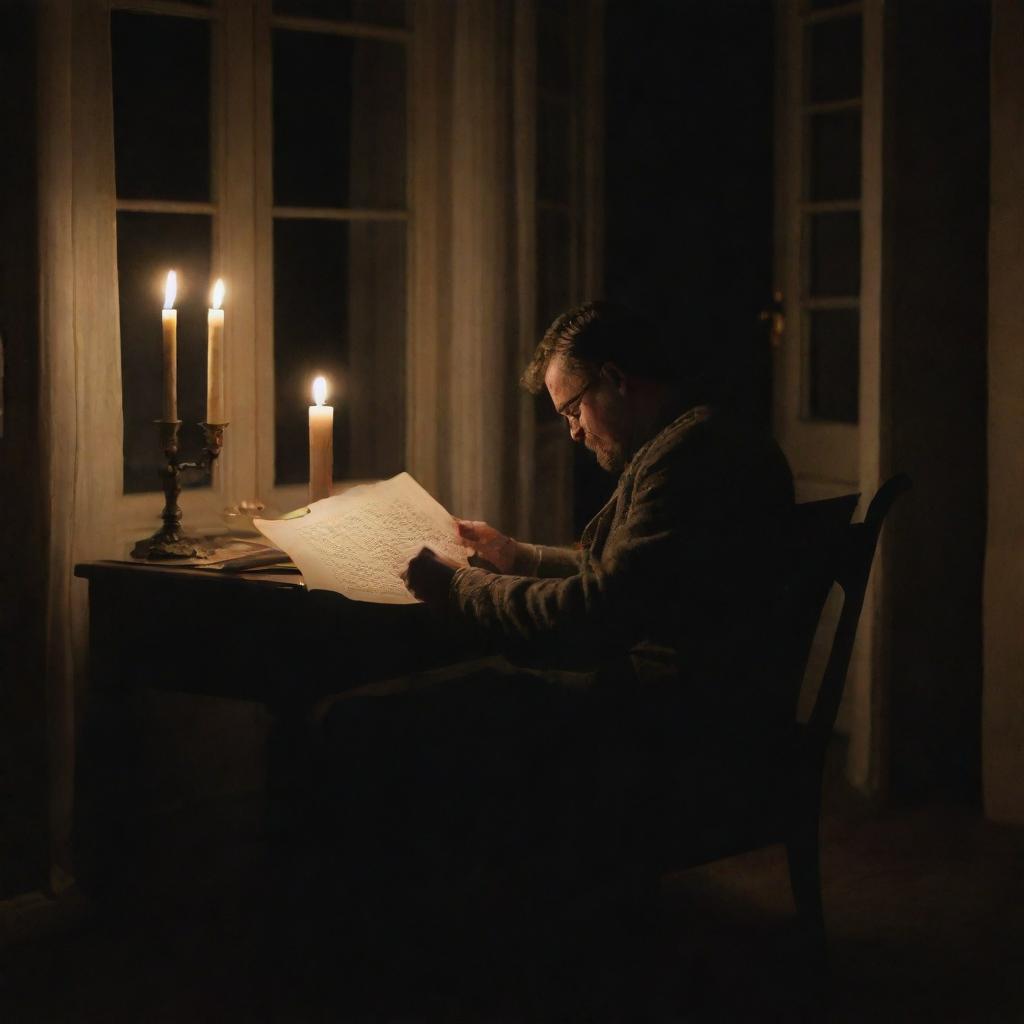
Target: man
{"points": [[621, 665], [662, 583]]}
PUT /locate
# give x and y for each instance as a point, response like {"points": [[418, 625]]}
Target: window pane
{"points": [[833, 365], [339, 121], [339, 310], [835, 254], [372, 12], [553, 151], [161, 78], [553, 265], [834, 156], [834, 60], [148, 245]]}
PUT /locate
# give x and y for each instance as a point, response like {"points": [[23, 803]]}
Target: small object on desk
{"points": [[215, 356], [321, 443], [170, 542], [262, 559], [239, 517], [169, 326], [225, 552], [284, 568]]}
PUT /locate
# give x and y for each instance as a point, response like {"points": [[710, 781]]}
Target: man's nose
{"points": [[576, 431]]}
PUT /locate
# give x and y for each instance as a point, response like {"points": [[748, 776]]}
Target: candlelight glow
{"points": [[171, 290], [319, 391], [218, 294]]}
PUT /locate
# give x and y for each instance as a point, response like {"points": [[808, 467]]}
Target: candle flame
{"points": [[218, 293], [171, 290], [319, 390]]}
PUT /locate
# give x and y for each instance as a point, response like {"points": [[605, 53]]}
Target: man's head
{"points": [[608, 375]]}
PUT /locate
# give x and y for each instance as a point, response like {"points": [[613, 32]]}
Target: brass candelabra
{"points": [[169, 541]]}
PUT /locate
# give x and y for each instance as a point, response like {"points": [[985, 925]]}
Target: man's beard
{"points": [[610, 457]]}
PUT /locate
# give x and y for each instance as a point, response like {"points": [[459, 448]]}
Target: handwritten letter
{"points": [[358, 543]]}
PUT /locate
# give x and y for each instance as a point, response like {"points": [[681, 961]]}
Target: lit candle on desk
{"points": [[321, 443], [215, 357], [169, 317]]}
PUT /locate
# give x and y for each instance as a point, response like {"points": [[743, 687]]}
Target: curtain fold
{"points": [[58, 427], [472, 315], [80, 373]]}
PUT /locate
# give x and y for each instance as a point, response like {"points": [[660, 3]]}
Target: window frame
{"points": [[138, 513], [289, 496], [242, 219]]}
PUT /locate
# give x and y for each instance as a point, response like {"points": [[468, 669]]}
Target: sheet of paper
{"points": [[358, 543]]}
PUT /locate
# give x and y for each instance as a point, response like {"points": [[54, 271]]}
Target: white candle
{"points": [[321, 443], [215, 357], [169, 318]]}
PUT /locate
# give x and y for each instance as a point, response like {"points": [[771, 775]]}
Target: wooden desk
{"points": [[247, 637], [254, 637]]}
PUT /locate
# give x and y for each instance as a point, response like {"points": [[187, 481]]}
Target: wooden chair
{"points": [[782, 803]]}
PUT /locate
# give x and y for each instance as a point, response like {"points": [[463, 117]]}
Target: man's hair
{"points": [[596, 333]]}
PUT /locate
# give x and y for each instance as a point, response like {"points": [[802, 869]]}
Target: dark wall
{"points": [[688, 212], [935, 338], [22, 542]]}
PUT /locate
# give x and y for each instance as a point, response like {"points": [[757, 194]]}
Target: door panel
{"points": [[818, 249], [828, 267]]}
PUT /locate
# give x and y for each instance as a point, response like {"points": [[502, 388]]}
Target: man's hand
{"points": [[428, 576], [488, 543]]}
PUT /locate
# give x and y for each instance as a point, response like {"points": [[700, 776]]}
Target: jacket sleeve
{"points": [[660, 552], [546, 561]]}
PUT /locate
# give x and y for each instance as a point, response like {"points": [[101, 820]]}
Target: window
{"points": [[339, 239], [161, 93], [831, 213], [267, 142], [315, 262]]}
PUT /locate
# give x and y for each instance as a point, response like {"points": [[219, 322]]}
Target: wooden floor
{"points": [[925, 909]]}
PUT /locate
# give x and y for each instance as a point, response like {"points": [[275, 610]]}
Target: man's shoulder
{"points": [[716, 447], [675, 436]]}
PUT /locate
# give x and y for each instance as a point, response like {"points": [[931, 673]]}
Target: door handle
{"points": [[774, 315]]}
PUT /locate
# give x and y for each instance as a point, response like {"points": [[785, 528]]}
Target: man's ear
{"points": [[614, 373]]}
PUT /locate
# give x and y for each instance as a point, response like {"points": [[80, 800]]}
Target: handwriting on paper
{"points": [[358, 543]]}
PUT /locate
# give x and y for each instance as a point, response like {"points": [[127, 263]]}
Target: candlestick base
{"points": [[161, 547]]}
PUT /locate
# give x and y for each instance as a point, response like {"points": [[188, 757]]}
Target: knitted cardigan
{"points": [[662, 573]]}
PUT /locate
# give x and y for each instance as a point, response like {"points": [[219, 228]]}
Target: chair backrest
{"points": [[851, 570], [816, 534], [824, 548]]}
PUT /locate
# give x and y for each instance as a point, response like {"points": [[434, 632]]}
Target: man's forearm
{"points": [[546, 561]]}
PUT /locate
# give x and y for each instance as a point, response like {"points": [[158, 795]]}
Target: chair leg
{"points": [[802, 850]]}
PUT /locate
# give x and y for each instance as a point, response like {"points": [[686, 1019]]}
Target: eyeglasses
{"points": [[571, 409]]}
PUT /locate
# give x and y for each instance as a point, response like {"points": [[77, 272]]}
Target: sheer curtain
{"points": [[79, 359], [474, 270]]}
